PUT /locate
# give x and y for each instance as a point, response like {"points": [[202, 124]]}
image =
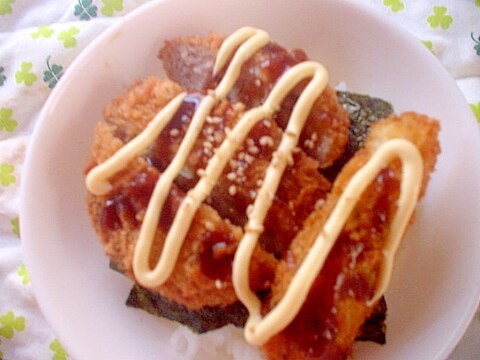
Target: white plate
{"points": [[435, 288]]}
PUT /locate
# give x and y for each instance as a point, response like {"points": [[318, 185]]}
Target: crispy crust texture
{"points": [[188, 285], [358, 249], [189, 61], [336, 308], [118, 215]]}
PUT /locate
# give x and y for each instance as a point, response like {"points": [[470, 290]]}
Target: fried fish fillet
{"points": [[336, 306], [189, 61]]}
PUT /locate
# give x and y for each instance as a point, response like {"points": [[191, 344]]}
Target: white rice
{"points": [[226, 344]]}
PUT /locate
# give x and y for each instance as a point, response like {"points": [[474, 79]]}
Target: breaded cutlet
{"points": [[189, 62], [337, 304]]}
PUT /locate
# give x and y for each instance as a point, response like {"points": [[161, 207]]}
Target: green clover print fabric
{"points": [[38, 42]]}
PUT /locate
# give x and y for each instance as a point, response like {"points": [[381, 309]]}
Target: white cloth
{"points": [[38, 41]]}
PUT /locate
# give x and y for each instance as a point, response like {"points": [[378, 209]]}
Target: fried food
{"points": [[117, 217], [326, 131], [337, 304], [252, 172]]}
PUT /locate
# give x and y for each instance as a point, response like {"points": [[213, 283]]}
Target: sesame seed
{"points": [[253, 149], [218, 284], [174, 132], [309, 144], [233, 164], [314, 137], [319, 203], [216, 120], [207, 144], [232, 190], [209, 226], [238, 106], [218, 136], [266, 141], [259, 182], [231, 176], [267, 123], [249, 158], [210, 139], [258, 83], [252, 194]]}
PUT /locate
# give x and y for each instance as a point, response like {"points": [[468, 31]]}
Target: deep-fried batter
{"points": [[336, 306], [189, 61]]}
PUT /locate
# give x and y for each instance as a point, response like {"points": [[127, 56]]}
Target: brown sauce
{"points": [[315, 327], [124, 205], [216, 255]]}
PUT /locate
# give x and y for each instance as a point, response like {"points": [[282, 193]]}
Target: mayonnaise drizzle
{"points": [[258, 330], [98, 184]]}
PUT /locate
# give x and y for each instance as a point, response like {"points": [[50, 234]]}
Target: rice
{"points": [[226, 344]]}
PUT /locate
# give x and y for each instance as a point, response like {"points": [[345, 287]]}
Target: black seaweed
{"points": [[200, 321], [363, 112]]}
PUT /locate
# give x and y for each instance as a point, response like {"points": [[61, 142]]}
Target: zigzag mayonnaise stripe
{"points": [[258, 329], [97, 183]]}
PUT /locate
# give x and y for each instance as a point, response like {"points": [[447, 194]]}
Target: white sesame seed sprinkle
{"points": [[232, 190], [174, 132], [231, 176], [253, 150], [218, 284], [266, 141]]}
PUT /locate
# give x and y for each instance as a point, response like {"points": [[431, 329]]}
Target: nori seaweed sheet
{"points": [[211, 318], [200, 321], [363, 111]]}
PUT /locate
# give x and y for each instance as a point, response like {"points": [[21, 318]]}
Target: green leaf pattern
{"points": [[428, 44], [7, 123], [440, 18], [15, 227], [2, 76], [7, 176], [394, 5], [476, 110], [10, 323], [477, 43], [85, 10], [68, 37], [110, 6], [43, 31], [53, 74], [6, 7], [59, 352], [25, 74], [23, 274]]}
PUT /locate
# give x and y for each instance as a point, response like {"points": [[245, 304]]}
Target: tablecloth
{"points": [[40, 39]]}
